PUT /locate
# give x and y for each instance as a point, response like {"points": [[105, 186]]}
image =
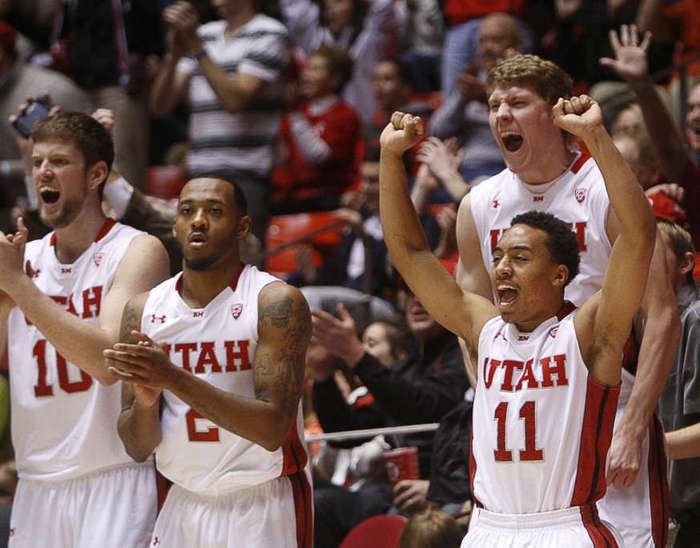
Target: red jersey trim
{"points": [[293, 453], [596, 435], [106, 227], [234, 282], [567, 308], [472, 470], [109, 223], [232, 285], [578, 164]]}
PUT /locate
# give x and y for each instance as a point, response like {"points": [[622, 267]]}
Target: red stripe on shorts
{"points": [[600, 535], [658, 484], [303, 509]]}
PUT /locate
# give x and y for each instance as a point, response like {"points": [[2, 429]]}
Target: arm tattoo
{"points": [[131, 320], [278, 371]]}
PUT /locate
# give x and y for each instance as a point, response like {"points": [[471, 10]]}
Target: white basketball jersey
{"points": [[577, 197], [64, 421], [542, 426], [217, 344]]}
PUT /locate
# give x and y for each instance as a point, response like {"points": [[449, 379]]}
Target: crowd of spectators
{"points": [[288, 98]]}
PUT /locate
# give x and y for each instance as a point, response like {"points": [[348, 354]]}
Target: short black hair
{"points": [[238, 194], [561, 241]]}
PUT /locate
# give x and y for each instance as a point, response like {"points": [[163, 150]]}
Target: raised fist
{"points": [[578, 115], [402, 132]]}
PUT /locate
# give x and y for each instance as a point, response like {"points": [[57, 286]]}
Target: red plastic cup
{"points": [[401, 464]]}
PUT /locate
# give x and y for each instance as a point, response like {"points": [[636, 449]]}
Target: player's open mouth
{"points": [[197, 239], [512, 141], [506, 296], [49, 195]]}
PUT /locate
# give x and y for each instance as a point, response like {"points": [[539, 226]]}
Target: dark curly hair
{"points": [[561, 241]]}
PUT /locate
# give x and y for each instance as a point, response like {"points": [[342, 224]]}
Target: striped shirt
{"points": [[241, 144]]}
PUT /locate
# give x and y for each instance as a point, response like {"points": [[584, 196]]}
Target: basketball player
{"points": [[544, 174], [549, 375], [217, 394], [77, 486]]}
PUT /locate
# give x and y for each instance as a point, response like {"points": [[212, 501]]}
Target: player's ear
{"points": [[96, 174], [561, 275], [244, 224]]}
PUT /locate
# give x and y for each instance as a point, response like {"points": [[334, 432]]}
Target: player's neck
{"points": [[530, 324], [548, 169], [72, 240], [200, 287]]}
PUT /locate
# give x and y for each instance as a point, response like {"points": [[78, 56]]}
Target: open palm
{"points": [[630, 61]]}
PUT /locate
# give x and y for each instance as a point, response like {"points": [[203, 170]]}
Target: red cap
{"points": [[8, 37]]}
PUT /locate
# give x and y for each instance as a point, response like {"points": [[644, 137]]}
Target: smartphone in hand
{"points": [[37, 110]]}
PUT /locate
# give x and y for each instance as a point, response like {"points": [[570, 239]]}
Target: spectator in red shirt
{"points": [[320, 137]]}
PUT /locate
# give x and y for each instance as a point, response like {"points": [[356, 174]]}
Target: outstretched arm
{"points": [[461, 312], [662, 329], [144, 265], [656, 354], [684, 443], [283, 329], [604, 322], [631, 64], [170, 85], [669, 144]]}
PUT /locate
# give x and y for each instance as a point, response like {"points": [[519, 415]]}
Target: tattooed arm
{"points": [[139, 421], [284, 329]]}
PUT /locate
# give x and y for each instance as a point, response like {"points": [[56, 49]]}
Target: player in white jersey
{"points": [[78, 487], [544, 174], [548, 376], [214, 360]]}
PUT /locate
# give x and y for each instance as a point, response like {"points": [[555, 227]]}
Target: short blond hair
{"points": [[431, 529], [679, 240], [548, 79]]}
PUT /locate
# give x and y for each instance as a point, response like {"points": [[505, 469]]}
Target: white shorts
{"points": [[115, 508], [640, 512], [577, 527], [276, 513]]}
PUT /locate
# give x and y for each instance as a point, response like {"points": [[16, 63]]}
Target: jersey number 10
{"points": [[42, 388]]}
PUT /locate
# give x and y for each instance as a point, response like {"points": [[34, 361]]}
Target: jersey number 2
{"points": [[210, 434], [43, 389], [527, 413]]}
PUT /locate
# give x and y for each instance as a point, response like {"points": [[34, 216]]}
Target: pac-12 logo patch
{"points": [[236, 310], [580, 195], [98, 258]]}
